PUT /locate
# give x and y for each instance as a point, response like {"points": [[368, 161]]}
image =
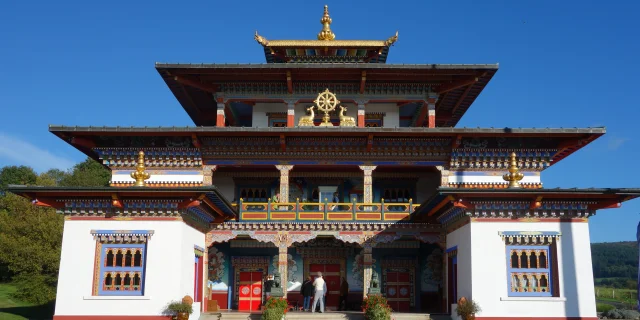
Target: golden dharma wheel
{"points": [[326, 101]]}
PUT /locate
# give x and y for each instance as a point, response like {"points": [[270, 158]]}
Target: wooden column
{"points": [[367, 265], [220, 117], [291, 115], [431, 105], [361, 108], [284, 182], [368, 183], [208, 241], [283, 263], [207, 174]]}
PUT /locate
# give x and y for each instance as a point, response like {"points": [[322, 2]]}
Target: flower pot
{"points": [[471, 317], [183, 316]]}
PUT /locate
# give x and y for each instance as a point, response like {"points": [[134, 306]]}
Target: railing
{"points": [[327, 211]]}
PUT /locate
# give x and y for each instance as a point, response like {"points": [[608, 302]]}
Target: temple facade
{"points": [[326, 159]]}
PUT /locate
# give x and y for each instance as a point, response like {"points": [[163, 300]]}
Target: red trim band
{"points": [[111, 317]]}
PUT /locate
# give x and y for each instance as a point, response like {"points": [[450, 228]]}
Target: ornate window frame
{"points": [[120, 242], [538, 248]]}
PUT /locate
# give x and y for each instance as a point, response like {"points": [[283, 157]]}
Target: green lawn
{"points": [[11, 309], [625, 296]]}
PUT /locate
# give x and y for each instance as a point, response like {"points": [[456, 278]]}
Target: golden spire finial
{"points": [[326, 33], [140, 175], [514, 176]]}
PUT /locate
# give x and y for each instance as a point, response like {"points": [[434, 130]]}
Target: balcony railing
{"points": [[327, 211]]}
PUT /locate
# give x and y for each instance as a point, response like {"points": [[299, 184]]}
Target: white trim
{"points": [[116, 298], [545, 299]]}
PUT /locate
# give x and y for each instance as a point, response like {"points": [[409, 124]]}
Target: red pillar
{"points": [[361, 108], [431, 105], [291, 115], [220, 118]]}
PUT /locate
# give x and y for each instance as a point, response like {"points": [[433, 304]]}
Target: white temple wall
{"points": [[489, 272], [160, 176], [190, 237], [260, 119], [167, 260], [391, 110], [461, 238], [456, 177], [226, 186]]}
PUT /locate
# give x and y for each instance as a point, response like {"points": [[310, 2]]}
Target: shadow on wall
{"points": [[570, 281], [40, 312]]}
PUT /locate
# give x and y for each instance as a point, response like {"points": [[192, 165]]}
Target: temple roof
{"points": [[210, 195], [199, 87], [559, 142], [326, 48], [469, 198]]}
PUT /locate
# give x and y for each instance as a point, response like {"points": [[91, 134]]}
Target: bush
{"points": [[180, 307], [275, 308], [376, 308], [467, 308], [603, 307], [621, 314]]}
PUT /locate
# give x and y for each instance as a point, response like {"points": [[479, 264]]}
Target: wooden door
{"points": [[250, 291], [331, 275], [398, 291]]}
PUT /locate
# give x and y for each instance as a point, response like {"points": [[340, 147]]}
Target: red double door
{"points": [[331, 275], [250, 291], [398, 290]]}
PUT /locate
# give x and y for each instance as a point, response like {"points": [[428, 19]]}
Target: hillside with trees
{"points": [[615, 264], [30, 236]]}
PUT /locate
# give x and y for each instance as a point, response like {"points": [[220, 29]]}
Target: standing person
{"points": [[344, 293], [335, 199], [307, 291], [320, 292], [267, 287]]}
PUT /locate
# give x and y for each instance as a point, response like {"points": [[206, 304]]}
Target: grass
{"points": [[627, 296], [11, 309]]}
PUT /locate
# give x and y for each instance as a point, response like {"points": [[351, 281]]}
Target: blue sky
{"points": [[562, 64]]}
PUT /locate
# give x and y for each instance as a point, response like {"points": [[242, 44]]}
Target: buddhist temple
{"points": [[326, 159]]}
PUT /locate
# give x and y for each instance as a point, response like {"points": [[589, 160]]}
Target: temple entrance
{"points": [[250, 291], [331, 275], [398, 289]]}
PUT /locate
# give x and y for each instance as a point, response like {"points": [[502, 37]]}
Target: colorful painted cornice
{"points": [[529, 237], [154, 157], [498, 159], [122, 236]]}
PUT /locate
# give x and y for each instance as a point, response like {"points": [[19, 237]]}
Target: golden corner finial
{"points": [[391, 40], [140, 175], [326, 33], [514, 176], [261, 40]]}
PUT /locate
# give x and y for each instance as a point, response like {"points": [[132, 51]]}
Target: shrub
{"points": [[621, 314], [467, 308], [603, 307], [180, 307], [275, 308], [376, 308]]}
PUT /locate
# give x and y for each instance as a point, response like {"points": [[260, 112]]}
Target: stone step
{"points": [[295, 315]]}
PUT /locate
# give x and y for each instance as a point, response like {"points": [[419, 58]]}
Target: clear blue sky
{"points": [[562, 64]]}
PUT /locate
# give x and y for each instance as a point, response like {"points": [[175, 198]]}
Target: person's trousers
{"points": [[319, 296], [343, 299], [306, 303]]}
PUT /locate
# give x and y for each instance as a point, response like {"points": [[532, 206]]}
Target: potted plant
{"points": [[180, 309], [275, 309], [467, 309], [375, 307]]}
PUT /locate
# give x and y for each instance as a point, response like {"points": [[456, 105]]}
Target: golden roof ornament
{"points": [[514, 176], [140, 175], [261, 40], [391, 40], [326, 33]]}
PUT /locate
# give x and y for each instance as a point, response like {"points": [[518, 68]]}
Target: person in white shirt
{"points": [[320, 288]]}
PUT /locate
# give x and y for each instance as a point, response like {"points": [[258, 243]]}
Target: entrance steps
{"points": [[298, 315]]}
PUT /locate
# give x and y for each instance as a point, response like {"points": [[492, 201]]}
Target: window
{"points": [[120, 262], [530, 263], [529, 271]]}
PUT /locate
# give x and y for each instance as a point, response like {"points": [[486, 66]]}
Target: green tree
{"points": [[88, 173], [21, 175], [52, 177]]}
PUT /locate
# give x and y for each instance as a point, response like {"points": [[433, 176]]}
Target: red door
{"points": [[331, 275], [398, 290], [250, 291]]}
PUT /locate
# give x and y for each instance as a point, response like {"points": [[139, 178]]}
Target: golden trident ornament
{"points": [[326, 103]]}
